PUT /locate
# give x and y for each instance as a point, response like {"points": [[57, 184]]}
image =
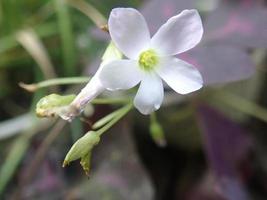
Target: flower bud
{"points": [[82, 148], [157, 133], [52, 105]]}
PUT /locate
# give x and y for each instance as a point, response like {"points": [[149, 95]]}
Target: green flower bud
{"points": [[52, 105], [157, 133], [82, 148]]}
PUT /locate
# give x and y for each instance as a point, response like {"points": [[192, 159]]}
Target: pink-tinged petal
{"points": [[129, 31], [179, 34], [220, 63], [182, 77], [120, 74], [149, 95]]}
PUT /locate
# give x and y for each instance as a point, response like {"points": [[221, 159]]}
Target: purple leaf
{"points": [[243, 25], [226, 145], [220, 63], [232, 189]]}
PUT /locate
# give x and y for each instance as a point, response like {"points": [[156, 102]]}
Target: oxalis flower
{"points": [[152, 59]]}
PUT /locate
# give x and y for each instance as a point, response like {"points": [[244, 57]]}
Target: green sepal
{"points": [[86, 163]]}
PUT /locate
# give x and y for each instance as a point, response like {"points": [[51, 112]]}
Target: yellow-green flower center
{"points": [[148, 60]]}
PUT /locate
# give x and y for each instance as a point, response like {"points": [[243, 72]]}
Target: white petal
{"points": [[179, 75], [120, 74], [129, 31], [179, 34], [149, 95]]}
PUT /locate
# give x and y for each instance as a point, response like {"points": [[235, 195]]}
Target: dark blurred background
{"points": [[216, 138]]}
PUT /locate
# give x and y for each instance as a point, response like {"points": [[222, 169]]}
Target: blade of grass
{"points": [[15, 155], [1, 13], [66, 35], [31, 42], [11, 15], [90, 11], [45, 30]]}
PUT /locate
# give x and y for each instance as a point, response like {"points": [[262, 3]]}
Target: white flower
{"points": [[152, 59]]}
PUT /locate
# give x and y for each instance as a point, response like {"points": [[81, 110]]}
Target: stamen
{"points": [[148, 60]]}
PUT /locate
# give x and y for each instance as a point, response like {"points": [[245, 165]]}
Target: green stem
{"points": [[110, 101], [123, 112], [103, 121], [51, 82]]}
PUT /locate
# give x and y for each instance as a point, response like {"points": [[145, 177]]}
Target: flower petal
{"points": [[120, 74], [179, 34], [129, 31], [149, 95], [180, 76]]}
